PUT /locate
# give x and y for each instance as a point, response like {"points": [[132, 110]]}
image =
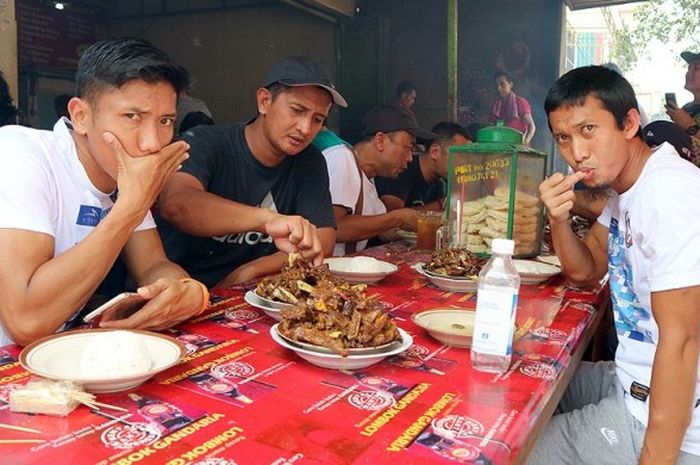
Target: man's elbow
{"points": [[174, 210], [24, 331]]}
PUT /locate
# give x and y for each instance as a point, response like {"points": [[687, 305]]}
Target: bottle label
{"points": [[493, 327]]}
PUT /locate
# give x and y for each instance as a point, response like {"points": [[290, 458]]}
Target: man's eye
{"points": [[560, 139], [133, 116], [587, 129], [167, 121]]}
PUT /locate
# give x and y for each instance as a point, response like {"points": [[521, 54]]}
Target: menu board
{"points": [[51, 38]]}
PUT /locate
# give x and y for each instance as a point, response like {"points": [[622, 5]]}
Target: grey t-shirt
{"points": [[222, 161]]}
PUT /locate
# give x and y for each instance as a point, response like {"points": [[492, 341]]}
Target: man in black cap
{"points": [[384, 149], [688, 117], [247, 185]]}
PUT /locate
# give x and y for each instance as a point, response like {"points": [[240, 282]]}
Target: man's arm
{"points": [[170, 300], [584, 261], [271, 264], [187, 206], [674, 373], [40, 291], [530, 128], [352, 228], [392, 202]]}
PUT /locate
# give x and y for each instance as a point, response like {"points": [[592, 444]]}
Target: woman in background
{"points": [[514, 110]]}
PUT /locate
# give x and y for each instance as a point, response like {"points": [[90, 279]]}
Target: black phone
{"points": [[671, 99], [119, 307]]}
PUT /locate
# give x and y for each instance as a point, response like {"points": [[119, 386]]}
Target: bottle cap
{"points": [[502, 246]]}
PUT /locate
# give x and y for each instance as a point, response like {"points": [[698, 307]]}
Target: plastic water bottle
{"points": [[496, 302]]}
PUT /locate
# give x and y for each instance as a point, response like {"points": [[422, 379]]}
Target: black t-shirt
{"points": [[222, 161], [692, 108], [411, 187]]}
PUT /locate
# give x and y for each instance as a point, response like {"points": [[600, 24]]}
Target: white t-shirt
{"points": [[44, 188], [345, 188], [653, 245]]}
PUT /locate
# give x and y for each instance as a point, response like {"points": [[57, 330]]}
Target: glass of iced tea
{"points": [[427, 224]]}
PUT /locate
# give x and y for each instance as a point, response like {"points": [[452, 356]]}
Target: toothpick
{"points": [[22, 441], [19, 428]]}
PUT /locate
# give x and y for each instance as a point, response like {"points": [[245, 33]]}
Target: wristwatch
{"points": [[692, 130]]}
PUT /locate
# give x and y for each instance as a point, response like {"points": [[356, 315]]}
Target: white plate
{"points": [[360, 269], [354, 351], [407, 237], [59, 357], [337, 362], [263, 304], [450, 326], [447, 283], [535, 272], [550, 259]]}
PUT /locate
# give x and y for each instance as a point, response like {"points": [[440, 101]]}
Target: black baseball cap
{"points": [[690, 57], [658, 132], [390, 118], [298, 71]]}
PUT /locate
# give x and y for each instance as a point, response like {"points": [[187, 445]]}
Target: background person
{"points": [[688, 117], [406, 94], [513, 109]]}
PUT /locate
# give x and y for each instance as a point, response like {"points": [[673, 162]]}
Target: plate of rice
{"points": [[102, 360], [360, 269]]}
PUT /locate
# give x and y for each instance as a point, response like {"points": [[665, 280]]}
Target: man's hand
{"points": [[170, 302], [408, 218], [679, 116], [557, 194], [140, 179], [296, 234]]}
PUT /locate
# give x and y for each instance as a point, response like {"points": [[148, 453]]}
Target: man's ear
{"points": [[631, 123], [80, 113], [435, 151], [379, 141], [264, 99]]}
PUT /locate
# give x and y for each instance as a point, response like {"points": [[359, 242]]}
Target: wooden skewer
{"points": [[90, 401], [19, 428], [22, 441]]}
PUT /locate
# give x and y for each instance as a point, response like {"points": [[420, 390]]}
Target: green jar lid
{"points": [[499, 133]]}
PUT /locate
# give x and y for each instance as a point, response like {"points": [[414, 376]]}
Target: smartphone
{"points": [[671, 99], [121, 306]]}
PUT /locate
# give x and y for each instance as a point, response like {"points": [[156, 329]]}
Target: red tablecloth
{"points": [[240, 398]]}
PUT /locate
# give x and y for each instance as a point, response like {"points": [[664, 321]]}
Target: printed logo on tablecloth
{"points": [[371, 400], [416, 351], [582, 306], [213, 461], [128, 436], [458, 426], [233, 370], [242, 314], [552, 335], [539, 370]]}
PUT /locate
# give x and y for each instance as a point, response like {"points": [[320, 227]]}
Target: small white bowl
{"points": [[338, 362], [360, 269], [273, 311], [452, 327], [59, 356], [446, 283], [535, 272]]}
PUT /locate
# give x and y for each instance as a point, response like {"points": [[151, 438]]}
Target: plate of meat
{"points": [[454, 269]]}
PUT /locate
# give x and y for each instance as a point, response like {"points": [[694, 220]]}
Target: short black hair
{"points": [[505, 74], [8, 112], [608, 86], [111, 63], [405, 87], [446, 131]]}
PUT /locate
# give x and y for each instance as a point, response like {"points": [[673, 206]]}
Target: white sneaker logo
{"points": [[610, 435]]}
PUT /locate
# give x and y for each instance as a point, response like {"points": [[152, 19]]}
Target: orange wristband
{"points": [[205, 292]]}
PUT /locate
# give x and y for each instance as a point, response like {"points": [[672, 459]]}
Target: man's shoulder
{"points": [[21, 144]]}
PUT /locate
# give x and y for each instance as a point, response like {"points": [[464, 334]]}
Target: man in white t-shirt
{"points": [[641, 408], [61, 229], [385, 148]]}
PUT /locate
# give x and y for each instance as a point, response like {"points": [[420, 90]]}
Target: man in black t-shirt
{"points": [[225, 216], [422, 184]]}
